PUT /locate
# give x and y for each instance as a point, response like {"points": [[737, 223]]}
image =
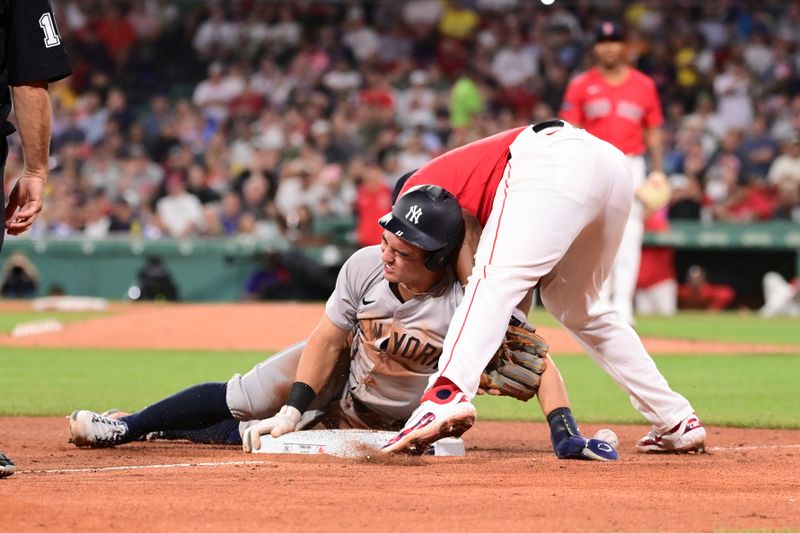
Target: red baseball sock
{"points": [[441, 390]]}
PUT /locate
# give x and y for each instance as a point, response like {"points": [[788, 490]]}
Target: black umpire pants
{"points": [[3, 155]]}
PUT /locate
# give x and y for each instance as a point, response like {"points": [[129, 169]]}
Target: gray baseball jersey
{"points": [[395, 348], [396, 345]]}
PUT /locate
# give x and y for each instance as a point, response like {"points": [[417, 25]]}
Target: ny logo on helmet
{"points": [[414, 212]]}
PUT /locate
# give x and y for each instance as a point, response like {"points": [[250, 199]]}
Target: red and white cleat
{"points": [[687, 437], [445, 413]]}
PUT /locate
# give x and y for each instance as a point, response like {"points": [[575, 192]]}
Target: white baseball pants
{"points": [[660, 299], [618, 290], [779, 297], [557, 221]]}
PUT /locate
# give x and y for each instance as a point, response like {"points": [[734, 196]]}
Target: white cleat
{"points": [[687, 437], [93, 430]]}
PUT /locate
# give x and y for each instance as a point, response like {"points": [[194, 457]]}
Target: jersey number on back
{"points": [[51, 37]]}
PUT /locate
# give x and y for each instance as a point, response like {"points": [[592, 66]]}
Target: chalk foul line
{"points": [[746, 448], [246, 463], [141, 467]]}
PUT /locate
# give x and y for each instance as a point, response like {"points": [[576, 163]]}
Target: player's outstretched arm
{"points": [[321, 353], [316, 364], [565, 436], [552, 391]]}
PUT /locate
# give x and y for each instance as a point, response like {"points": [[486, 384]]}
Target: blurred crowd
{"points": [[278, 119]]}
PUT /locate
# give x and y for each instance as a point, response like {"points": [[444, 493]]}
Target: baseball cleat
{"points": [[93, 430], [689, 436], [447, 414], [116, 414], [7, 466], [577, 447]]}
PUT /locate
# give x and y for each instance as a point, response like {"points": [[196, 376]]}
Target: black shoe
{"points": [[6, 466]]}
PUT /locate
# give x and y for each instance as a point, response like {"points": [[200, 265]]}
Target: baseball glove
{"points": [[655, 193], [518, 364]]}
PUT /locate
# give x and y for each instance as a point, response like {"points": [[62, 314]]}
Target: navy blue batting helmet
{"points": [[429, 217]]}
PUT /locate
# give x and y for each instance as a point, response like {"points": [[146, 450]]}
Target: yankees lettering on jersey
{"points": [[396, 345], [402, 345]]}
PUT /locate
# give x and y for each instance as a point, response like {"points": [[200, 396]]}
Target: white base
{"points": [[70, 303], [346, 443]]}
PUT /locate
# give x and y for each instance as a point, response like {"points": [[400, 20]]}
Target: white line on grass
{"points": [[140, 467], [745, 448]]}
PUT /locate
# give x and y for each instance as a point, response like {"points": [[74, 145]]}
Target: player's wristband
{"points": [[300, 396]]}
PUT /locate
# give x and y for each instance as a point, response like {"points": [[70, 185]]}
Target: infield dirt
{"points": [[509, 480], [267, 327]]}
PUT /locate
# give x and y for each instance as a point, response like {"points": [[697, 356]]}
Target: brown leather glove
{"points": [[517, 366]]}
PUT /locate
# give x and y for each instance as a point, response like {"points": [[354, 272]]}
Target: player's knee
{"points": [[252, 400], [237, 399]]}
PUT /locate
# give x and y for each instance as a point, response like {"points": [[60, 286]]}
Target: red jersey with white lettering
{"points": [[471, 173], [617, 114]]}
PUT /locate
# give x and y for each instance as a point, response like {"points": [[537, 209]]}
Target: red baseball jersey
{"points": [[615, 113], [471, 173]]}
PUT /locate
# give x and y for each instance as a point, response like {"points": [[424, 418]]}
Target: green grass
{"points": [[743, 391], [728, 327], [9, 320], [38, 381]]}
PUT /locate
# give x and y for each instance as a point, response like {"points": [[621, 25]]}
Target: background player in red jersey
{"points": [[620, 104]]}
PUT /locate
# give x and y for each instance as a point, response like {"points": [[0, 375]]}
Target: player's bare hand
{"points": [[27, 196], [284, 422]]}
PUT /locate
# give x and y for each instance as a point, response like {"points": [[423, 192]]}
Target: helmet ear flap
{"points": [[436, 260]]}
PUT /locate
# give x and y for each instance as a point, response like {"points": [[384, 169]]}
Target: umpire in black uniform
{"points": [[31, 56]]}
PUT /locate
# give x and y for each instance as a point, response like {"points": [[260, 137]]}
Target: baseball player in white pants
{"points": [[560, 202]]}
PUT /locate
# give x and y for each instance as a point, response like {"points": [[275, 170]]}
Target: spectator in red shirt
{"points": [[698, 293], [748, 204], [117, 34], [378, 93], [373, 200], [620, 104]]}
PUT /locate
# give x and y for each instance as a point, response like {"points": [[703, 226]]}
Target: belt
{"points": [[555, 123], [374, 419]]}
